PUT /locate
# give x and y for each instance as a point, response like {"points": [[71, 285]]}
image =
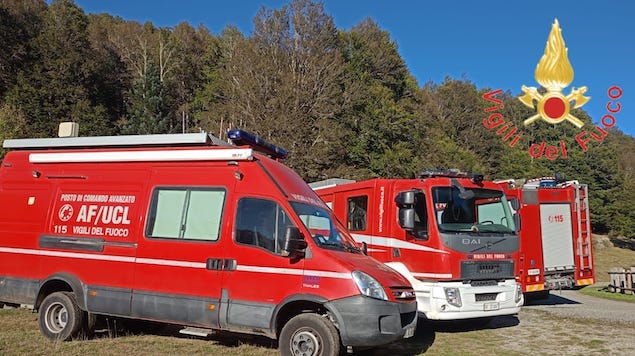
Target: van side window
{"points": [[186, 213], [261, 223], [356, 213]]}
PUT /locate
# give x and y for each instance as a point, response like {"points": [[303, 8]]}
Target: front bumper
{"points": [[365, 321]]}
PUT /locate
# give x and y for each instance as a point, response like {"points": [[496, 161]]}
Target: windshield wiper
{"points": [[488, 245], [341, 246]]}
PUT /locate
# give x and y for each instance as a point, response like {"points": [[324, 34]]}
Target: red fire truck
{"points": [[188, 230], [452, 234], [556, 250]]}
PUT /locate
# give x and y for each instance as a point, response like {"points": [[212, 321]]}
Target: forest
{"points": [[342, 102]]}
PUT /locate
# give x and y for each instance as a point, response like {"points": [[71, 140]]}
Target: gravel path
{"points": [[570, 303]]}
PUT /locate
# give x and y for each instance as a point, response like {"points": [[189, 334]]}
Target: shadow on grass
{"points": [[422, 340], [427, 330], [113, 328]]}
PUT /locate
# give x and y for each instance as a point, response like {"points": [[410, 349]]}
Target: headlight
{"points": [[369, 286], [519, 292], [453, 296]]}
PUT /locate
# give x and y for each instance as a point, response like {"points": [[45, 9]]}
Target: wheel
{"points": [[309, 335], [60, 318]]}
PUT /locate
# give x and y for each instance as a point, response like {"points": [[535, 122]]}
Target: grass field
{"points": [[610, 253], [19, 333]]}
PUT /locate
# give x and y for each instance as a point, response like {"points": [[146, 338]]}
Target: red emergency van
{"points": [[556, 250], [189, 230]]}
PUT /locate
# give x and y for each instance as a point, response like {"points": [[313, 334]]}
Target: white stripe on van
{"points": [[173, 263], [86, 256], [259, 269]]}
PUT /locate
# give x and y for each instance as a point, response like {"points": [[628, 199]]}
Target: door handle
{"points": [[219, 264]]}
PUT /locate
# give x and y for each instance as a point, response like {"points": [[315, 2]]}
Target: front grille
{"points": [[484, 283], [487, 269], [403, 293], [485, 297]]}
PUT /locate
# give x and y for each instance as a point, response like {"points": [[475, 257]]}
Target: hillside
{"points": [[611, 252]]}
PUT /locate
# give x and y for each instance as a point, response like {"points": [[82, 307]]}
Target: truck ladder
{"points": [[584, 226]]}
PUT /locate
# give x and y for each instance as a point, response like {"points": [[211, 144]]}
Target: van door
{"points": [[179, 259], [261, 277]]}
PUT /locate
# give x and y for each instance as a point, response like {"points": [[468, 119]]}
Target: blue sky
{"points": [[495, 44]]}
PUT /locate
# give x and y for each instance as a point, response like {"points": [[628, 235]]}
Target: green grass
{"points": [[541, 333], [600, 291]]}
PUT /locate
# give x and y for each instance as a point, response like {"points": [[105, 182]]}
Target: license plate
{"points": [[410, 332], [491, 306]]}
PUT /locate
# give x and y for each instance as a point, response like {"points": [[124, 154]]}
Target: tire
{"points": [[309, 335], [59, 317]]}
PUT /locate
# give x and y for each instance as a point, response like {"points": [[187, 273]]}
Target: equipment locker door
{"points": [[180, 258], [557, 236]]}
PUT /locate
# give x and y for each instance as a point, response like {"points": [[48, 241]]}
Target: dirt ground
{"points": [[566, 323]]}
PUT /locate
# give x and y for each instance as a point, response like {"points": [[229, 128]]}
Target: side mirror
{"points": [[407, 218], [293, 244], [517, 221], [405, 202], [405, 198], [515, 203]]}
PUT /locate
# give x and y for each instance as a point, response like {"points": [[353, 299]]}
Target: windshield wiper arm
{"points": [[488, 245]]}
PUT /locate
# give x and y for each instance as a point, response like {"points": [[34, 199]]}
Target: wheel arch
{"points": [[61, 282], [298, 304]]}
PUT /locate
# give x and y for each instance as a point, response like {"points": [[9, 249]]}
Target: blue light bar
{"points": [[242, 138]]}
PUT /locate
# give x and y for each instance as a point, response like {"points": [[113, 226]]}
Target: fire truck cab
{"points": [[189, 230], [556, 251], [452, 234]]}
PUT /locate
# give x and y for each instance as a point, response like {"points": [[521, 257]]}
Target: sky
{"points": [[495, 44]]}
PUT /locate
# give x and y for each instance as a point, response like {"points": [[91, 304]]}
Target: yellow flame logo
{"points": [[554, 73]]}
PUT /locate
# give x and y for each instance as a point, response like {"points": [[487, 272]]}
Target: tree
{"points": [[147, 110], [57, 87], [379, 105], [282, 83]]}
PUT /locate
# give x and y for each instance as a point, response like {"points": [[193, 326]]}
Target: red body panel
{"points": [[430, 259], [540, 215]]}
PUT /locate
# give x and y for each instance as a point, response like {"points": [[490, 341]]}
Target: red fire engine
{"points": [[189, 230], [452, 234], [556, 250]]}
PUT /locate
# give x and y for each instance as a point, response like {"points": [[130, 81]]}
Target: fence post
{"points": [[617, 276]]}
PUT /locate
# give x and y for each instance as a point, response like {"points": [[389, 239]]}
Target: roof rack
{"points": [[450, 173], [331, 182], [188, 139]]}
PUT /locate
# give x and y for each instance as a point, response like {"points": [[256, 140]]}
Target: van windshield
{"points": [[325, 230], [480, 211]]}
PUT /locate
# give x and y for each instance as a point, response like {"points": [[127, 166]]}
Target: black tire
{"points": [[59, 317], [309, 335]]}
